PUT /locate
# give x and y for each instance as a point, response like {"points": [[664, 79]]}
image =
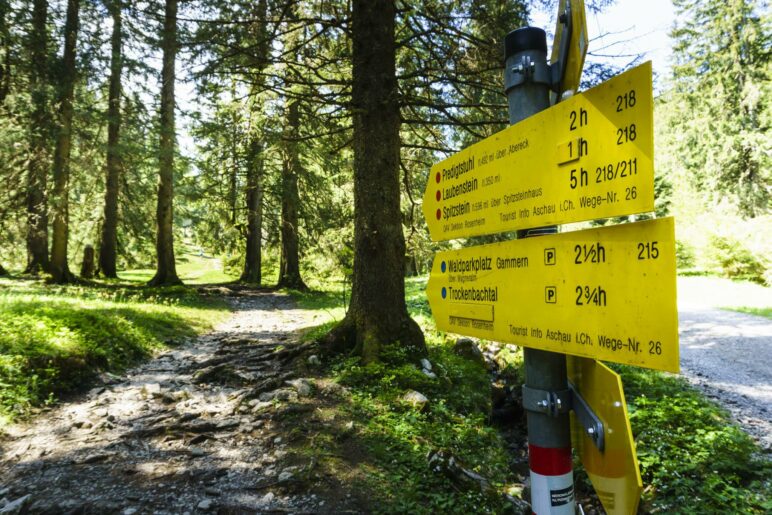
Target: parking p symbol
{"points": [[550, 257]]}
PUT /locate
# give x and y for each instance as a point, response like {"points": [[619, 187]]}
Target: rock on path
{"points": [[187, 432]]}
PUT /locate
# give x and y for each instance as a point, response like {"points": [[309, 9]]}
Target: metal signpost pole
{"points": [[545, 394], [588, 157]]}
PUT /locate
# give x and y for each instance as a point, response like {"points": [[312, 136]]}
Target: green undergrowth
{"points": [[760, 312], [54, 339], [398, 438], [395, 438], [692, 458]]}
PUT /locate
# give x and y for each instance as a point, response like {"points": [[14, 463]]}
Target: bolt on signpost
{"points": [[573, 298]]}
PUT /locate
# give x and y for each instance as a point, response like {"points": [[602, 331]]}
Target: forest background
{"points": [[265, 181], [271, 116]]}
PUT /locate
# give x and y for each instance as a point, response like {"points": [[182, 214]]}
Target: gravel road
{"points": [[728, 355]]}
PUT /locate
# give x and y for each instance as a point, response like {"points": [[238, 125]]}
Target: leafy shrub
{"points": [[685, 257], [735, 260]]}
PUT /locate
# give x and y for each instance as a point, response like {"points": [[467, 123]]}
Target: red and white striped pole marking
{"points": [[552, 480]]}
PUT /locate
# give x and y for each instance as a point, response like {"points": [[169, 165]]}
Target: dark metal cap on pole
{"points": [[525, 38]]}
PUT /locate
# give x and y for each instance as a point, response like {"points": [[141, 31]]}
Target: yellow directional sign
{"points": [[606, 293], [577, 45], [588, 157], [614, 472]]}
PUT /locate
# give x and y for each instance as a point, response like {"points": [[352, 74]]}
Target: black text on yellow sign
{"points": [[606, 293], [588, 157]]}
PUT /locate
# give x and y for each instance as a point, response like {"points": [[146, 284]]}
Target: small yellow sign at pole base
{"points": [[614, 471]]}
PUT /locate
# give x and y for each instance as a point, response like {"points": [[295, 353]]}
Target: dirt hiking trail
{"points": [[194, 430]]}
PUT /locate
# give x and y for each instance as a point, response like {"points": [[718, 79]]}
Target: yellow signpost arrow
{"points": [[588, 157], [614, 471], [606, 293], [576, 48]]}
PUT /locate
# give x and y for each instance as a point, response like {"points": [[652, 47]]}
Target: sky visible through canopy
{"points": [[624, 30], [618, 34]]}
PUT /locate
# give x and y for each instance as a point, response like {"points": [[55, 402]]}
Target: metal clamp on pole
{"points": [[562, 401], [537, 71], [527, 70], [543, 401]]}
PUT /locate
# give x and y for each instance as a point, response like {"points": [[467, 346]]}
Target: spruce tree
{"points": [[166, 271], [59, 266], [109, 236], [37, 174], [720, 112], [377, 314]]}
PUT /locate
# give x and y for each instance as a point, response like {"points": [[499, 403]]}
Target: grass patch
{"points": [[193, 267], [383, 443], [53, 339], [761, 312], [326, 303], [693, 458]]}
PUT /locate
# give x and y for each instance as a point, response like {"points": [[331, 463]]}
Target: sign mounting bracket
{"points": [[592, 424], [563, 401]]}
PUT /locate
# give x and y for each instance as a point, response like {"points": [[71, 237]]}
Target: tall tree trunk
{"points": [[289, 271], [5, 46], [61, 202], [109, 240], [253, 261], [233, 179], [233, 173], [5, 66], [377, 313], [37, 171], [166, 272]]}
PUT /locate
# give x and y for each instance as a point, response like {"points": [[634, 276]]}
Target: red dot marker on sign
{"points": [[438, 195], [437, 177], [439, 214]]}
